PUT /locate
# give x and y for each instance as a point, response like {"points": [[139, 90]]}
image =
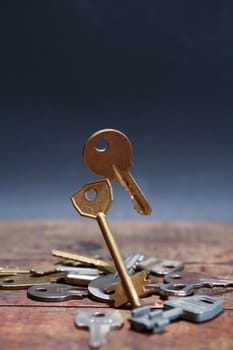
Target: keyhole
{"points": [[101, 145], [91, 194]]}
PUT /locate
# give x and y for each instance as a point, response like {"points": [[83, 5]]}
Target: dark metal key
{"points": [[56, 292], [194, 280], [197, 308]]}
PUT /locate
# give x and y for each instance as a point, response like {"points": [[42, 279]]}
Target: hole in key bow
{"points": [[101, 145], [99, 314], [41, 289], [91, 194]]}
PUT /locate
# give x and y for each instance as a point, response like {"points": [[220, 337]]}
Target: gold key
{"points": [[114, 162], [106, 265], [140, 280], [22, 281], [96, 207]]}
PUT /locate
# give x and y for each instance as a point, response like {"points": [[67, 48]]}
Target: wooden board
{"points": [[27, 324]]}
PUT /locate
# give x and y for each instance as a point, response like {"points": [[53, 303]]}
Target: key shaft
{"points": [[118, 261]]}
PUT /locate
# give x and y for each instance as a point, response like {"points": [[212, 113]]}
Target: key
{"points": [[96, 207], [193, 280], [116, 291], [98, 286], [198, 308], [22, 281], [99, 323], [114, 162], [56, 292], [160, 267], [105, 264]]}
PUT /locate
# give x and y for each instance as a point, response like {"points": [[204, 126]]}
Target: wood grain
{"points": [[203, 247]]}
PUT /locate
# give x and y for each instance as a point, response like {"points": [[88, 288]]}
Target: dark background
{"points": [[160, 71]]}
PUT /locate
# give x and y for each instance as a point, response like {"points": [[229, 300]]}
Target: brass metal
{"points": [[23, 281], [7, 271], [106, 265], [96, 208], [139, 279], [114, 162]]}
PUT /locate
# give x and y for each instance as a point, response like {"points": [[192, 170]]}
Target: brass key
{"points": [[106, 265], [96, 207], [114, 162]]}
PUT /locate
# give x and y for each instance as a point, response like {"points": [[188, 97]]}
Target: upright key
{"points": [[99, 324], [114, 161], [93, 200]]}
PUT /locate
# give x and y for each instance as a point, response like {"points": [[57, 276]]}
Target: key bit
{"points": [[96, 207], [139, 279], [56, 292], [114, 162], [99, 323]]}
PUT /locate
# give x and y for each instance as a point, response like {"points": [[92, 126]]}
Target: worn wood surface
{"points": [[27, 324]]}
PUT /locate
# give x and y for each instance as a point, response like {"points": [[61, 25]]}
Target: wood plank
{"points": [[41, 328], [203, 247]]}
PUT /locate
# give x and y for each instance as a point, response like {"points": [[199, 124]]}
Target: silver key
{"points": [[160, 267], [79, 279], [99, 323], [56, 292]]}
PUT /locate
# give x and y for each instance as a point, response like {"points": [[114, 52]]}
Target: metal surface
{"points": [[56, 292], [194, 280], [160, 267], [7, 271], [99, 323], [22, 281], [97, 288], [114, 160], [102, 264], [96, 208], [139, 280], [198, 308], [79, 279]]}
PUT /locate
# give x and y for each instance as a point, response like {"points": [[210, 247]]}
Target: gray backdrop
{"points": [[160, 71]]}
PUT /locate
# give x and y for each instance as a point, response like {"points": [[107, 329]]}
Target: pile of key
{"points": [[117, 281]]}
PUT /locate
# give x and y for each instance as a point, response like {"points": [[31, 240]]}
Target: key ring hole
{"points": [[176, 277], [41, 289], [9, 280], [101, 145], [99, 314], [91, 194]]}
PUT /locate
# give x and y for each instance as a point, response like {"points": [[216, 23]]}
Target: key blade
{"points": [[125, 179]]}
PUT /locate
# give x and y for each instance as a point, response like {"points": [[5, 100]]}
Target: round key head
{"points": [[106, 148], [56, 292], [93, 198]]}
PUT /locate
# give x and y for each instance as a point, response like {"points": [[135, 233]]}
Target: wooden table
{"points": [[28, 324]]}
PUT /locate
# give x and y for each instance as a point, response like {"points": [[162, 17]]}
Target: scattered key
{"points": [[95, 207], [114, 162], [56, 292], [9, 271], [160, 267], [189, 281], [105, 265], [22, 281], [99, 323], [198, 308]]}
